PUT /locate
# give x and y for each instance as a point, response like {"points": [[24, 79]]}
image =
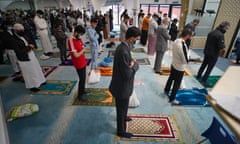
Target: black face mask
{"points": [[20, 33], [223, 31]]}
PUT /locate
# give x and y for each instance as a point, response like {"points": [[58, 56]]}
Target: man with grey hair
{"points": [[214, 47], [161, 44]]}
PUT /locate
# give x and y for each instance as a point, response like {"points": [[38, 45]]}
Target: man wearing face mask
{"points": [[30, 67], [121, 86], [213, 48], [75, 45], [161, 44], [42, 29]]}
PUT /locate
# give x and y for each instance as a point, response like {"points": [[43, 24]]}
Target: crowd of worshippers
{"points": [[20, 29]]}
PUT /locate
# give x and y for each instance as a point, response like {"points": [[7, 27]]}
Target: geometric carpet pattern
{"points": [[153, 128]]}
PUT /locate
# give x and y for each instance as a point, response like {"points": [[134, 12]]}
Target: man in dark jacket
{"points": [[214, 47], [121, 87]]}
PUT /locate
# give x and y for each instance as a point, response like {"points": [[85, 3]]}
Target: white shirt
{"points": [[152, 27], [178, 58], [40, 23]]}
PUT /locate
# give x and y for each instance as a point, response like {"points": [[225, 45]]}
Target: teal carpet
{"points": [[60, 122]]}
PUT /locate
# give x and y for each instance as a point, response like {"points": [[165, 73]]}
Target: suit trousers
{"points": [[208, 62], [144, 36], [122, 109], [82, 79], [158, 61], [63, 52], [175, 78]]}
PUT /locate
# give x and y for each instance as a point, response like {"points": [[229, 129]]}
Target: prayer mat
{"points": [[143, 61], [3, 78], [70, 63], [212, 80], [87, 50], [153, 128], [57, 87], [112, 39], [97, 97], [106, 71], [166, 71], [111, 53], [192, 97], [138, 50], [48, 69]]}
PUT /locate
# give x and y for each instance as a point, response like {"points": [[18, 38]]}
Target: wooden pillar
{"points": [[184, 12]]}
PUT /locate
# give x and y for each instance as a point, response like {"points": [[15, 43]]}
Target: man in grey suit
{"points": [[162, 44], [121, 86]]}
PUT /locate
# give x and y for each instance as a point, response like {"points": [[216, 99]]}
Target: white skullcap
{"points": [[18, 26]]}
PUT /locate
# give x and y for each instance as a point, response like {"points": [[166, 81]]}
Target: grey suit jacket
{"points": [[162, 39]]}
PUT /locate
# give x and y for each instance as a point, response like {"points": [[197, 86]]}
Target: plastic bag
{"points": [[133, 101], [23, 111], [94, 77]]}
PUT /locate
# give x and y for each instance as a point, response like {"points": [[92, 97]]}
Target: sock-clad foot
{"points": [[206, 84], [174, 102], [125, 134], [82, 98], [128, 119], [34, 89]]}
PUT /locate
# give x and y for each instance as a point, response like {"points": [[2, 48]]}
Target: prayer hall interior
{"points": [[52, 112]]}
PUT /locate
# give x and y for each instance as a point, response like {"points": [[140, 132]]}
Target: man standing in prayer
{"points": [[179, 59], [192, 26], [145, 26], [161, 44], [121, 86], [152, 36], [42, 29], [93, 37], [214, 47], [124, 27], [30, 67]]}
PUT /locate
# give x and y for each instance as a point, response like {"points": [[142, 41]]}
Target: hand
{"points": [[31, 46], [132, 63], [222, 52]]}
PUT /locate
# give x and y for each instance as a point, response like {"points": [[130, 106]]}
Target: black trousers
{"points": [[1, 54], [144, 36], [175, 78], [122, 109], [82, 80], [208, 62], [63, 52]]}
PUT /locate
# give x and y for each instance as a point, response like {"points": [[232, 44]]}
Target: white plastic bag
{"points": [[23, 111], [133, 101], [94, 77]]}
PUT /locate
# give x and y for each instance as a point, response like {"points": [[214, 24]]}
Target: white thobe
{"points": [[42, 29]]}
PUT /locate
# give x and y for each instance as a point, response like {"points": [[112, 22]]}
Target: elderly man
{"points": [[162, 44], [42, 29], [214, 47], [121, 87], [152, 37], [29, 65]]}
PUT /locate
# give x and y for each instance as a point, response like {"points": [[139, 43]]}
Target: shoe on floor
{"points": [[175, 102], [34, 89], [82, 98], [125, 135], [44, 57], [128, 119]]}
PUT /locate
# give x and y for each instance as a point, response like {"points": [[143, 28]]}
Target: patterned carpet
{"points": [[97, 97], [143, 61], [48, 69], [153, 128], [138, 50], [57, 87], [166, 71], [106, 71]]}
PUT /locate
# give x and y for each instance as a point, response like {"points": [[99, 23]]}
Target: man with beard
{"points": [[214, 47], [121, 86]]}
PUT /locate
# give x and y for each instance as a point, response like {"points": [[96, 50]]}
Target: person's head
{"points": [[126, 18], [196, 22], [78, 31], [155, 16], [142, 15], [175, 21], [165, 15], [18, 29], [149, 15], [94, 22], [186, 34], [224, 26], [39, 13], [165, 22], [132, 34], [58, 26]]}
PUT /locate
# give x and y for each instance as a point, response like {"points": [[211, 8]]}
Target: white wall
{"points": [[4, 3], [18, 5]]}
